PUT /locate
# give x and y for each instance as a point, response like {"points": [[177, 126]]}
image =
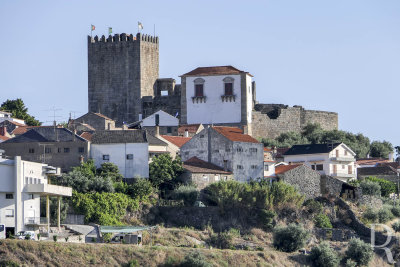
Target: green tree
{"points": [[290, 238], [324, 255], [381, 149], [111, 170], [19, 111], [164, 169], [359, 251]]}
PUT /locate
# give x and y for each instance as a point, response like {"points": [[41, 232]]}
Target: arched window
{"points": [[228, 86], [199, 87]]}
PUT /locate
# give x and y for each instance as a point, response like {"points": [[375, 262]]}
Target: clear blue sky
{"points": [[341, 55]]}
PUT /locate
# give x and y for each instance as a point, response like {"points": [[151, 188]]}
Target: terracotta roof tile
{"points": [[214, 70], [196, 165], [394, 165], [87, 136], [284, 168], [191, 128], [179, 141], [235, 134]]}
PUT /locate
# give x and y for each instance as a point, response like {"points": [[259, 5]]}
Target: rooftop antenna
{"points": [[54, 119]]}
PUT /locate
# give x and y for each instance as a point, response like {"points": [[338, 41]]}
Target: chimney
{"points": [[245, 129], [81, 159], [186, 133], [109, 126], [391, 156], [157, 130]]}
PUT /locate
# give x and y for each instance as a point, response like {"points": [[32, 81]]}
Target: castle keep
{"points": [[124, 85]]}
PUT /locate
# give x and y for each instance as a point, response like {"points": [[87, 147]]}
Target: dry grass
{"points": [[33, 253]]}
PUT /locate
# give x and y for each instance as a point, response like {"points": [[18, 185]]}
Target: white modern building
{"points": [[7, 116], [333, 159], [22, 185], [128, 149], [217, 95]]}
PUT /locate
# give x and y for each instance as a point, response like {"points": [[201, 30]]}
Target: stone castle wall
{"points": [[281, 119], [121, 70]]}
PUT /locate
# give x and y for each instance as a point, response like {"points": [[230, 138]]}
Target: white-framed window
{"points": [[129, 156], [266, 168], [199, 87], [216, 178], [106, 157], [317, 167], [9, 212], [228, 86], [31, 196]]}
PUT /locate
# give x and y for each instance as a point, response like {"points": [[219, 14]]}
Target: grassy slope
{"points": [[35, 253]]}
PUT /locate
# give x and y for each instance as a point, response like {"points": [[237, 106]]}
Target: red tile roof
{"points": [[191, 128], [371, 161], [284, 168], [394, 165], [196, 165], [268, 149], [87, 136], [215, 70], [235, 134], [179, 141]]}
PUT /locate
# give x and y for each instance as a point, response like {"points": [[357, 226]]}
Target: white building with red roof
{"points": [[217, 95]]}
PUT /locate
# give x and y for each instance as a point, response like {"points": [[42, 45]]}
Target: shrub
{"points": [[387, 187], [66, 239], [313, 206], [28, 237], [370, 188], [384, 215], [266, 218], [371, 215], [321, 220], [54, 238], [359, 251], [141, 189], [396, 211], [132, 263], [107, 237], [195, 259], [290, 238], [222, 240], [324, 255], [350, 263], [396, 226], [187, 193], [38, 236]]}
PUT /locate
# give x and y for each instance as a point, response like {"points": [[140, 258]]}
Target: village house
{"points": [[333, 159], [174, 143], [269, 162], [203, 173], [189, 130], [7, 116], [228, 148], [57, 147], [168, 124], [22, 185], [92, 121], [128, 149], [9, 127]]}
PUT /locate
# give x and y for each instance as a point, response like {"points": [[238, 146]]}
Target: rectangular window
{"points": [[239, 167], [216, 178], [9, 213], [26, 180], [216, 151], [199, 90], [47, 150], [320, 167], [129, 156], [106, 157], [59, 150], [254, 166], [9, 196], [266, 167], [81, 149], [169, 129], [337, 153], [30, 180], [239, 149], [66, 149], [227, 150], [228, 89], [202, 136], [343, 167], [34, 180], [253, 149], [345, 152], [31, 196], [31, 150]]}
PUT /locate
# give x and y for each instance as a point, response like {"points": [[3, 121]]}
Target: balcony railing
{"points": [[343, 159], [35, 221], [199, 99], [228, 98], [344, 175]]}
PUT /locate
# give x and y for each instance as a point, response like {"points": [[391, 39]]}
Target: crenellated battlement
{"points": [[123, 37]]}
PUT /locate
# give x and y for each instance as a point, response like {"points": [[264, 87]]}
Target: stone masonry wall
{"points": [[290, 119], [306, 180]]}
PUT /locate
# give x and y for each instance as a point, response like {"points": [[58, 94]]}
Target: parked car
{"points": [[24, 234]]}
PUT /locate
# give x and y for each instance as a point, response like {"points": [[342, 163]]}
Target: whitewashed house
{"points": [[333, 159], [22, 183], [128, 149], [7, 116], [217, 95], [168, 124], [269, 163]]}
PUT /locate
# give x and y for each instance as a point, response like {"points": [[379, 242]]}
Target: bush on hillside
{"points": [[396, 226], [371, 215], [224, 240], [385, 215], [290, 238], [370, 188], [267, 218], [359, 251], [322, 221], [396, 211], [187, 193], [387, 187], [313, 207], [194, 259], [324, 255]]}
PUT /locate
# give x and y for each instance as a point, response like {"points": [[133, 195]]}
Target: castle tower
{"points": [[121, 70]]}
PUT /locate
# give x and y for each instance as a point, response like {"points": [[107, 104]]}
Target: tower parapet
{"points": [[123, 37]]}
